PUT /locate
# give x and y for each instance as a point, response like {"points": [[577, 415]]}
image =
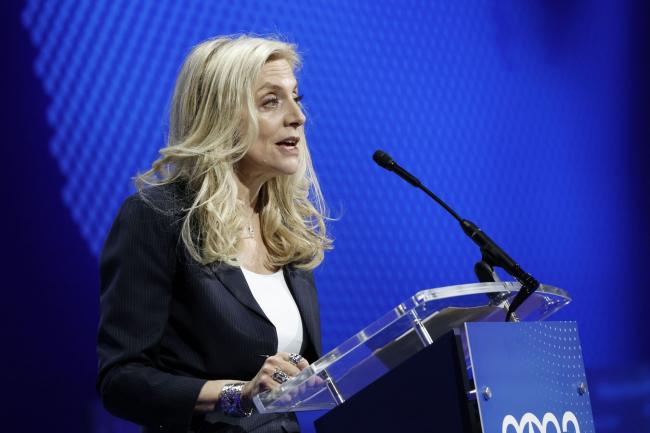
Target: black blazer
{"points": [[168, 324]]}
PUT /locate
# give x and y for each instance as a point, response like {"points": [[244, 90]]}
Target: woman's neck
{"points": [[248, 190]]}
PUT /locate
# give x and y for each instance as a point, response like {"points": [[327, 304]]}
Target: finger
{"points": [[315, 381], [288, 368], [267, 383], [281, 361], [280, 376], [295, 359], [302, 364], [266, 380]]}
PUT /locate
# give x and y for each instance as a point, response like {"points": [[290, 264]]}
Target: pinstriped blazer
{"points": [[168, 324]]}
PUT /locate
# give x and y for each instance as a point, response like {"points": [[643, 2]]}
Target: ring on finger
{"points": [[294, 358], [279, 376]]}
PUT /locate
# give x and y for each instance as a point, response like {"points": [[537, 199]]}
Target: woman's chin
{"points": [[288, 166]]}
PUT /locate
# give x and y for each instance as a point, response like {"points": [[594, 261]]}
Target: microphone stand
{"points": [[491, 254]]}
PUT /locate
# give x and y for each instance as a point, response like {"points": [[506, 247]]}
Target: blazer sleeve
{"points": [[136, 273]]}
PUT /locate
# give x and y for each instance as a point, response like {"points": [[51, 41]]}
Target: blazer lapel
{"points": [[233, 279], [304, 294], [302, 289]]}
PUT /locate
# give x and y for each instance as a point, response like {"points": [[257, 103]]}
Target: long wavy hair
{"points": [[213, 123]]}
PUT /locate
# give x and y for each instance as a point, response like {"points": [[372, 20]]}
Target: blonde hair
{"points": [[213, 123]]}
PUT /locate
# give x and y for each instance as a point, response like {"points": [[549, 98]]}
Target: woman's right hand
{"points": [[264, 380]]}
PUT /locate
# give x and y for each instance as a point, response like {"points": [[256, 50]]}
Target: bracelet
{"points": [[230, 400]]}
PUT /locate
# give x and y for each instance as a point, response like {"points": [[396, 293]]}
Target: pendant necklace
{"points": [[249, 229]]}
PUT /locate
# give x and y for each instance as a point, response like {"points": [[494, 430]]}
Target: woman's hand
{"points": [[272, 375]]}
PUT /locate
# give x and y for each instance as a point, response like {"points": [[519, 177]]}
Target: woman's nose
{"points": [[295, 117]]}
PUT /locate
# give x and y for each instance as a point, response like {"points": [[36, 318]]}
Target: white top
{"points": [[272, 294]]}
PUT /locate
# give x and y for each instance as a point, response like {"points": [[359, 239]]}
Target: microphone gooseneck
{"points": [[385, 161], [491, 253]]}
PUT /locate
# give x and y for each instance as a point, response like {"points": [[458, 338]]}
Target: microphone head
{"points": [[383, 159]]}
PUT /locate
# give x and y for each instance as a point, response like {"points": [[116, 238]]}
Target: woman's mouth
{"points": [[289, 145], [289, 142]]}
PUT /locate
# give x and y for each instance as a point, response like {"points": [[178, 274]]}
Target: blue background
{"points": [[527, 117]]}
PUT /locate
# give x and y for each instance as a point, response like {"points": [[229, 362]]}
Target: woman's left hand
{"points": [[276, 370]]}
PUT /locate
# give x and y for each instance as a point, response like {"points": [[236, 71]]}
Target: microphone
{"points": [[491, 253], [384, 160]]}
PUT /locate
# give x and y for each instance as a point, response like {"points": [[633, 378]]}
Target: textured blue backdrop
{"points": [[514, 112]]}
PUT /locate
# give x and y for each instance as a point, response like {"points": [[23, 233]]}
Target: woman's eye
{"points": [[298, 98], [270, 102]]}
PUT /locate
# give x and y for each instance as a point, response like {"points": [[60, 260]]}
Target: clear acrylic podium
{"points": [[437, 315]]}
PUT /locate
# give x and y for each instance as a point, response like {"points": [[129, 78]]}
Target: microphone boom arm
{"points": [[491, 253]]}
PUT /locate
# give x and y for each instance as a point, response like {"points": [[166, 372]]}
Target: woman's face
{"points": [[275, 152]]}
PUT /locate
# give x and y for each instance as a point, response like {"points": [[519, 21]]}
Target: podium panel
{"points": [[427, 393], [529, 377]]}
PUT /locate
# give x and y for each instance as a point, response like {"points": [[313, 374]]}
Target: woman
{"points": [[207, 295]]}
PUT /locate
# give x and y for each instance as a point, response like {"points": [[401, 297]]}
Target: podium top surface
{"points": [[399, 334]]}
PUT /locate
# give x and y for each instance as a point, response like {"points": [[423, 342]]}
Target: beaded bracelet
{"points": [[230, 400]]}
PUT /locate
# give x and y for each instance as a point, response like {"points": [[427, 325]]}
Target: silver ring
{"points": [[294, 358], [280, 376]]}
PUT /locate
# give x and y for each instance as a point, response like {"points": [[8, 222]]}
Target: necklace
{"points": [[250, 231]]}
